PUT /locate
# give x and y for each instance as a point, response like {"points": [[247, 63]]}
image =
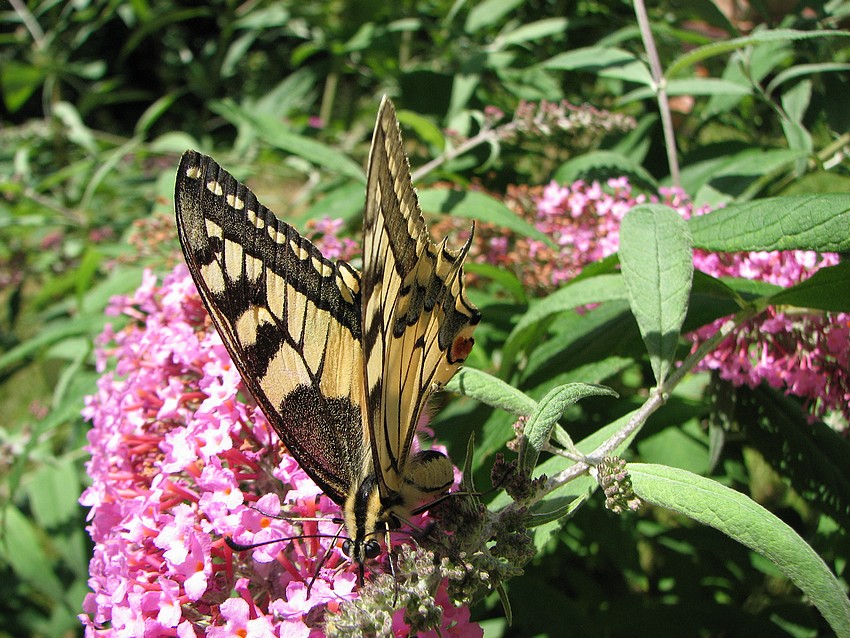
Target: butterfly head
{"points": [[364, 517], [359, 550]]}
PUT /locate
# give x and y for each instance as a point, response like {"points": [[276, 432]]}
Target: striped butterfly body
{"points": [[341, 362]]}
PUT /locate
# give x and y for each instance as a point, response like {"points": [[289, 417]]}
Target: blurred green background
{"points": [[101, 97]]}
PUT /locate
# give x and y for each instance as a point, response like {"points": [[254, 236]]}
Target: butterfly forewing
{"points": [[417, 321], [290, 318]]}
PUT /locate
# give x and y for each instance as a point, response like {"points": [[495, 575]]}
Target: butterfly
{"points": [[341, 362]]}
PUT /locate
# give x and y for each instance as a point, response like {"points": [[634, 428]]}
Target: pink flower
{"points": [[239, 622], [324, 233], [178, 462]]}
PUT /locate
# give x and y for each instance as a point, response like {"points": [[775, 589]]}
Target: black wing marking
{"points": [[290, 318]]}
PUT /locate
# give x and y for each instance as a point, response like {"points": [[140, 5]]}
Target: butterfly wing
{"points": [[290, 318], [417, 321]]}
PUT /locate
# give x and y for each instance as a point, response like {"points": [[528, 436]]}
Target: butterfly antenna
{"points": [[299, 519], [244, 547], [323, 560]]}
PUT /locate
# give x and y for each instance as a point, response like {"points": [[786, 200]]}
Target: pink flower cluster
{"points": [[805, 354], [178, 462], [325, 234], [582, 218]]}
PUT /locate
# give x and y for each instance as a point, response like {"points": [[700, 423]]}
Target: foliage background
{"points": [[100, 98]]}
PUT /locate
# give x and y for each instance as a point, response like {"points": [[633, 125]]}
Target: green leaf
{"points": [[656, 258], [75, 129], [796, 222], [87, 270], [158, 22], [488, 12], [155, 111], [464, 84], [362, 39], [474, 205], [21, 550], [700, 54], [119, 281], [796, 100], [690, 86], [811, 458], [506, 603], [53, 491], [607, 62], [49, 336], [292, 94], [263, 17], [405, 24], [173, 142], [803, 70], [828, 289], [500, 276], [344, 202], [19, 82], [549, 410], [236, 52], [711, 286], [580, 292], [747, 522], [68, 411], [491, 391], [547, 513], [574, 295], [735, 173], [276, 133], [601, 164], [467, 484], [676, 440], [427, 131], [533, 31]]}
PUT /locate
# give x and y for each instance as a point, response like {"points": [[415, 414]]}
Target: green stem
{"points": [[655, 401], [660, 90], [328, 97]]}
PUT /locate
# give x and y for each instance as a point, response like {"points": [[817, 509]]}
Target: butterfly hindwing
{"points": [[417, 321], [290, 318]]}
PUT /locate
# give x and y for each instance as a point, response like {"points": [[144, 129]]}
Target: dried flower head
{"points": [[614, 479]]}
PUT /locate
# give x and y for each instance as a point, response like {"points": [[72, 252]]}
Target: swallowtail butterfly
{"points": [[341, 362]]}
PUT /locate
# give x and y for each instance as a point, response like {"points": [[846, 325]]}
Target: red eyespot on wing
{"points": [[461, 347]]}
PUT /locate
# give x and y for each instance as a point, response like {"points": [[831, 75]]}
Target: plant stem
{"points": [[452, 153], [29, 22], [660, 90], [655, 401], [328, 97]]}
